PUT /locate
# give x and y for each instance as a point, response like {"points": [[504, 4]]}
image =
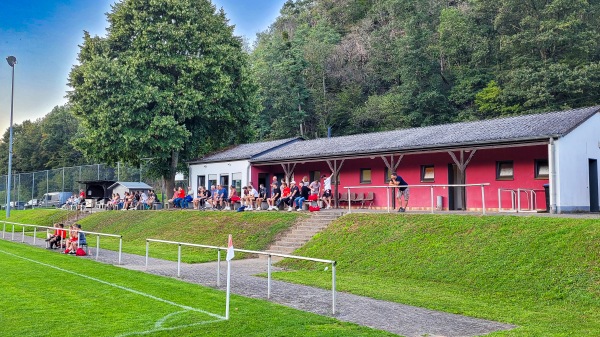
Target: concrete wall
{"points": [[572, 157]]}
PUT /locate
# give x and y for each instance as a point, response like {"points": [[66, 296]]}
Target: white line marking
{"points": [[185, 307]]}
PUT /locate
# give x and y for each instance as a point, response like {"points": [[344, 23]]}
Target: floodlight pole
{"points": [[11, 62]]}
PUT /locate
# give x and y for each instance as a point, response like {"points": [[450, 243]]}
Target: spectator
{"points": [[275, 194], [178, 201], [212, 200], [221, 197], [233, 198], [196, 200], [304, 192], [175, 194], [285, 195], [61, 235], [327, 191], [144, 201], [294, 193], [252, 196], [262, 196], [403, 192], [188, 198]]}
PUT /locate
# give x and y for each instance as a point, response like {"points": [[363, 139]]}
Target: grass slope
{"points": [[250, 230], [542, 274], [39, 216], [85, 298]]}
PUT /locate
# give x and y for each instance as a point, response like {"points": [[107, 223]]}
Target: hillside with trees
{"points": [[370, 65]]}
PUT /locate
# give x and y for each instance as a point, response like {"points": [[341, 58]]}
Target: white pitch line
{"points": [[185, 307]]}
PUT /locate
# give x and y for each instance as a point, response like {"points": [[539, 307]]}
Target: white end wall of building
{"points": [[238, 168], [573, 153]]}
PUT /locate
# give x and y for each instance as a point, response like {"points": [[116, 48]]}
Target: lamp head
{"points": [[11, 61]]}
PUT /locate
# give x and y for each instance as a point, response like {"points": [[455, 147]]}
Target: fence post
{"points": [[47, 178], [34, 234], [349, 203], [63, 180], [120, 248], [147, 248], [431, 186], [97, 246], [179, 260], [333, 287], [218, 267], [269, 276], [483, 198], [23, 237]]}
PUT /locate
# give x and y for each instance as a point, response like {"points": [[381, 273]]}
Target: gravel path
{"points": [[393, 317]]}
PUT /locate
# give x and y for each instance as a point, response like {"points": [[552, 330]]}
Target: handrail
{"points": [[269, 255], [431, 186], [48, 228]]}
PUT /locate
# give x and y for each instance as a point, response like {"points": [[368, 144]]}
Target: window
{"points": [[365, 176], [224, 181], [504, 170], [315, 175], [212, 180], [202, 181], [387, 174], [236, 180], [427, 174], [542, 170]]}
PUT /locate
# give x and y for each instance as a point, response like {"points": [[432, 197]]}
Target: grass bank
{"points": [[250, 230], [542, 274], [39, 216]]}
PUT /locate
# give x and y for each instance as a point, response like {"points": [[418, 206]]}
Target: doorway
{"points": [[593, 169], [456, 195]]}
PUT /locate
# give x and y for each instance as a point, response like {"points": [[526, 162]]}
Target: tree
{"points": [[169, 82]]}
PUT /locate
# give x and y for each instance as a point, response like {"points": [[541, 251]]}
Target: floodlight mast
{"points": [[11, 62]]}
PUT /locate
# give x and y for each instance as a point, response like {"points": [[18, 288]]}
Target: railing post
{"points": [[179, 260], [387, 192], [431, 186], [23, 237], [3, 229], [269, 276], [218, 267], [12, 238], [120, 248], [333, 287], [97, 246], [483, 198], [34, 234], [349, 202], [147, 251]]}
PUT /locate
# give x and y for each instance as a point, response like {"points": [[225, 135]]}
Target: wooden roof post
{"points": [[462, 164], [335, 172], [288, 170]]}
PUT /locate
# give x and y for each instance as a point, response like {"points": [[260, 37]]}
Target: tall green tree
{"points": [[169, 82]]}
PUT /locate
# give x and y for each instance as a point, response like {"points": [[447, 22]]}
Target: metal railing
{"points": [[47, 228], [388, 187], [269, 263], [515, 197]]}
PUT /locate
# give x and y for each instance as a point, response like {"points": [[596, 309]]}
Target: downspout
{"points": [[552, 175], [248, 175]]}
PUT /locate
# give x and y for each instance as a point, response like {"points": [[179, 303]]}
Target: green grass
{"points": [[39, 216], [250, 230], [542, 274], [40, 300]]}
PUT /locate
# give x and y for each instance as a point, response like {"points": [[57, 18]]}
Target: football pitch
{"points": [[45, 293]]}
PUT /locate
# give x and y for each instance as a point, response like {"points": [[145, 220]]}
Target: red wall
{"points": [[481, 169]]}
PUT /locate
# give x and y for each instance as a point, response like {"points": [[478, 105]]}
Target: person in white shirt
{"points": [[327, 191], [252, 195]]}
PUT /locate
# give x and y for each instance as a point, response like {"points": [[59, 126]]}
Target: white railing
{"points": [[47, 228], [515, 197], [387, 187], [269, 264]]}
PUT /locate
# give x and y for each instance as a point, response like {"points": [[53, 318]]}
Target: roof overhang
{"points": [[416, 150]]}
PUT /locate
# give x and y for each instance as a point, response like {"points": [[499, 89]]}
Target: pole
{"points": [[11, 61], [228, 293]]}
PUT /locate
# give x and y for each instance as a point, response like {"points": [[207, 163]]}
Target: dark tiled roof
{"points": [[492, 131], [244, 151]]}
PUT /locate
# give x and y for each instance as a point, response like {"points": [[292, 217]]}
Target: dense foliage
{"points": [[369, 65], [168, 82], [43, 144]]}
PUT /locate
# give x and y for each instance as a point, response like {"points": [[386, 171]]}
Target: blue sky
{"points": [[44, 36]]}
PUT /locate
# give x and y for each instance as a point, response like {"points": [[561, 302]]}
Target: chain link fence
{"points": [[33, 185]]}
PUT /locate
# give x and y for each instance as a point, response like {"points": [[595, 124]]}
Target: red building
{"points": [[507, 158]]}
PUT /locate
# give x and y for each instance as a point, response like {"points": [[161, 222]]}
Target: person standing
{"points": [[327, 191], [403, 191]]}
